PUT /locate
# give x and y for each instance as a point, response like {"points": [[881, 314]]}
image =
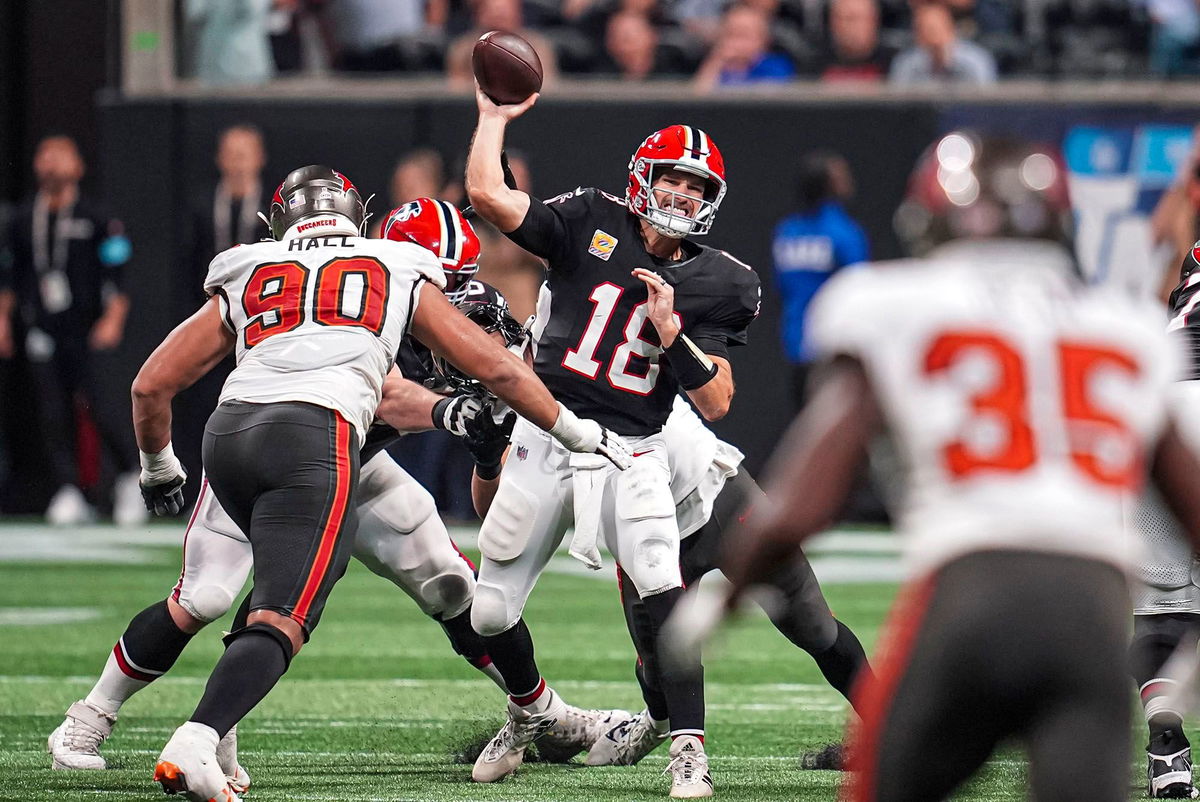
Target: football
{"points": [[506, 66]]}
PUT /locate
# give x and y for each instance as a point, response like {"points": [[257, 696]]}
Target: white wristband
{"points": [[567, 421], [162, 465]]}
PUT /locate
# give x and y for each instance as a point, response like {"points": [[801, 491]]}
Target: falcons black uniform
{"points": [[596, 350]]}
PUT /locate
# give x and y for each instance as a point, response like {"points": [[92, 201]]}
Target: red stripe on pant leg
{"points": [[192, 520], [333, 523], [873, 700], [465, 558]]}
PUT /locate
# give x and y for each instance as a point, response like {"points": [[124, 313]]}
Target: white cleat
{"points": [[227, 759], [505, 753], [577, 729], [68, 507], [626, 742], [689, 769], [76, 742], [188, 765], [128, 507]]}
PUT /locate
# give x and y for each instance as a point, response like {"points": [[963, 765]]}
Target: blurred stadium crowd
{"points": [[714, 43]]}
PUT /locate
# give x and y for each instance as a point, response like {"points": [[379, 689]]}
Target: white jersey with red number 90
{"points": [[318, 319], [1022, 406]]}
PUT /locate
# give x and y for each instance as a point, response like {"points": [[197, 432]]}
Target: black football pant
{"points": [[287, 474], [56, 383], [803, 617], [997, 645]]}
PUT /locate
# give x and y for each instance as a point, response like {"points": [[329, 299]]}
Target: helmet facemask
{"points": [[492, 318], [458, 279], [658, 201]]}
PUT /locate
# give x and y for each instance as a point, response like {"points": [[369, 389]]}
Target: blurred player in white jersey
{"points": [[1167, 599], [316, 317], [1025, 408]]}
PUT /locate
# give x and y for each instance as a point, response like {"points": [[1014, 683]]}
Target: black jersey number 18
{"points": [[582, 358]]}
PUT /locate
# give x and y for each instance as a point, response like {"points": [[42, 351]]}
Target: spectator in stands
{"points": [[853, 51], [631, 48], [419, 173], [232, 40], [225, 215], [699, 18], [742, 54], [502, 15], [939, 54], [389, 35], [64, 281], [1174, 37], [810, 245]]}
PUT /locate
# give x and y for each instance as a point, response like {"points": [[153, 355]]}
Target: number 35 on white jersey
{"points": [[1022, 408], [318, 319]]}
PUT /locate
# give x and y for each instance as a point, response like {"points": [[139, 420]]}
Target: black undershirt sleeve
{"points": [[543, 232]]}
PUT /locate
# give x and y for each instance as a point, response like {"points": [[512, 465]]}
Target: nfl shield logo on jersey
{"points": [[522, 452], [602, 245]]}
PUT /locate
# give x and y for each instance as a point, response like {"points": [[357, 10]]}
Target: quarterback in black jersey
{"points": [[631, 314]]}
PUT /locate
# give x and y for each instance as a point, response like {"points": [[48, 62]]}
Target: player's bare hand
{"points": [[660, 305], [487, 108]]}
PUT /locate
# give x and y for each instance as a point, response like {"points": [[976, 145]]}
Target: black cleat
{"points": [[1169, 767], [828, 758]]}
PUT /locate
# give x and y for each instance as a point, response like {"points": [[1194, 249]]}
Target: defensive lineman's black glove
{"points": [[453, 412], [486, 440], [164, 498]]}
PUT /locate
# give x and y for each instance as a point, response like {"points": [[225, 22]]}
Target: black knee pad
{"points": [[276, 634]]}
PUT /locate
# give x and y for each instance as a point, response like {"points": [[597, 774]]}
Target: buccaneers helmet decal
{"points": [[677, 147], [440, 228]]}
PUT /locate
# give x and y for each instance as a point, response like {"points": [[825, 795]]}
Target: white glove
{"points": [[453, 412], [585, 436], [162, 481]]}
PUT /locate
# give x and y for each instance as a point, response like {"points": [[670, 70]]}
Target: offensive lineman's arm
{"points": [[483, 491], [811, 474], [188, 352], [445, 330], [406, 405], [501, 206]]}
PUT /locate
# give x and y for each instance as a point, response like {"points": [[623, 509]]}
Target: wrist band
{"points": [[487, 472], [692, 366]]}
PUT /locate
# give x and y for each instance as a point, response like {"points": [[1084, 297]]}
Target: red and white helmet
{"points": [[677, 147], [440, 228]]}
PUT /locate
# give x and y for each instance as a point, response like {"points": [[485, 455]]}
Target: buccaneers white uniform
{"points": [[319, 319], [1024, 409], [994, 459]]}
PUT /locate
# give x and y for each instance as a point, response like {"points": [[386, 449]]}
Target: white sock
{"points": [[659, 727], [113, 688]]}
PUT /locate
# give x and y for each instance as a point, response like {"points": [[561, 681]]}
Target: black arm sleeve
{"points": [[543, 232]]}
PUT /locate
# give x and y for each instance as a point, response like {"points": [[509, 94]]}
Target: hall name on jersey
{"points": [[333, 240]]}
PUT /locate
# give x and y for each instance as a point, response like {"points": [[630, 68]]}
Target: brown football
{"points": [[506, 66]]}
